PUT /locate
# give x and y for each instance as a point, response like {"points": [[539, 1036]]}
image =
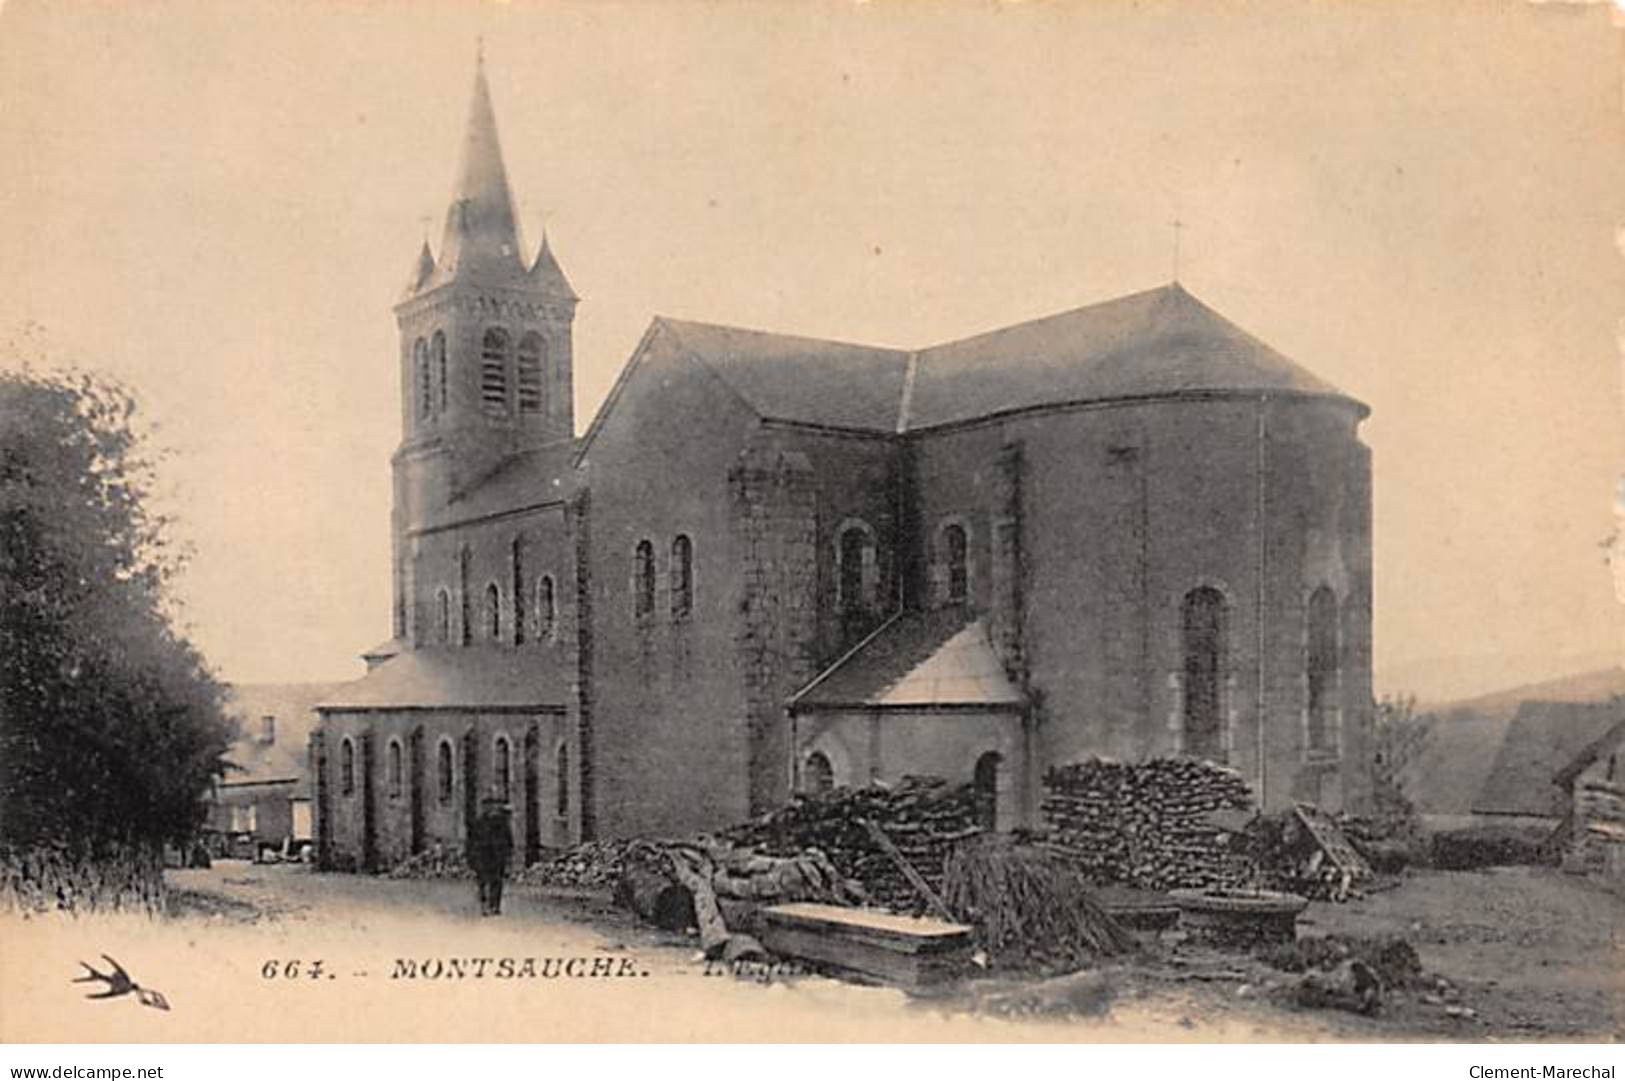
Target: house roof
{"points": [[282, 759], [918, 660], [1543, 739], [1605, 743], [455, 678]]}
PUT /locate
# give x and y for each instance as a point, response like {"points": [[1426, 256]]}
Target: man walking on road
{"points": [[490, 848]]}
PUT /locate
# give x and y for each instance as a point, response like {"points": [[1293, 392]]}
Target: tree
{"points": [[1400, 738], [111, 726]]}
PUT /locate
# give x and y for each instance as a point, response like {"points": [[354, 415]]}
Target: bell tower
{"points": [[485, 347]]}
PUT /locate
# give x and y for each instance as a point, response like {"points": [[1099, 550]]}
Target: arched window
{"points": [[1323, 671], [532, 363], [395, 773], [465, 626], [855, 567], [953, 554], [493, 612], [443, 617], [437, 355], [817, 775], [643, 579], [682, 577], [503, 769], [444, 775], [986, 782], [420, 371], [562, 780], [545, 608], [1203, 634], [494, 372], [519, 591], [347, 767]]}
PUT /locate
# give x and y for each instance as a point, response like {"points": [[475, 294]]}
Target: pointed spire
{"points": [[547, 275], [482, 235], [422, 271]]}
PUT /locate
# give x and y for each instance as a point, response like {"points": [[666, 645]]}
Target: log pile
{"points": [[440, 861], [1145, 824], [925, 817], [591, 865]]}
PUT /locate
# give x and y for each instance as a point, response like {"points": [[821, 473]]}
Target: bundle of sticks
{"points": [[590, 865], [1145, 824], [925, 817], [440, 861]]}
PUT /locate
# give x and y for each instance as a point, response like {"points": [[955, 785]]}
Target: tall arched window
{"points": [[1323, 671], [1203, 619], [443, 617], [855, 563], [465, 626], [394, 771], [494, 372], [817, 775], [493, 612], [437, 356], [422, 379], [682, 577], [546, 610], [519, 591], [562, 780], [532, 365], [502, 766], [347, 767], [987, 779], [444, 774], [643, 579], [953, 554]]}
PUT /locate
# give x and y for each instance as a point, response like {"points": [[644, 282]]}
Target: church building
{"points": [[774, 564]]}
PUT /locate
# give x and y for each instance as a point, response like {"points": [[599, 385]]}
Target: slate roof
{"points": [[283, 759], [918, 660], [1606, 743], [1151, 344], [784, 377], [456, 678], [1543, 738], [540, 475]]}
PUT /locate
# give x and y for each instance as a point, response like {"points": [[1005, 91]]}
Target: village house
{"points": [[263, 802], [774, 563]]}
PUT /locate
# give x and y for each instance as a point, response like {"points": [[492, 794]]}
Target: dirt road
{"points": [[280, 953]]}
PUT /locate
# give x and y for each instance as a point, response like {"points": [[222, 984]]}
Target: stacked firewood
{"points": [[1145, 824], [925, 817], [591, 865], [439, 861]]}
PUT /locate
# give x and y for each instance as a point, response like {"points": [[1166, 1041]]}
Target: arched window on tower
{"points": [[957, 584], [532, 368], [442, 626], [437, 356], [519, 591], [546, 608], [682, 577], [494, 372], [347, 767], [643, 579], [493, 612], [856, 567], [1203, 634], [1322, 672], [421, 378]]}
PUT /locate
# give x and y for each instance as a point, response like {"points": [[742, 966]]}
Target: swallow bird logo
{"points": [[119, 984]]}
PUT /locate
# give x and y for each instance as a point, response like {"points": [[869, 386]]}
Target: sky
{"points": [[219, 205]]}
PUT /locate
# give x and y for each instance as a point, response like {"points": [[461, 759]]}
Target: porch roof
{"points": [[917, 660]]}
